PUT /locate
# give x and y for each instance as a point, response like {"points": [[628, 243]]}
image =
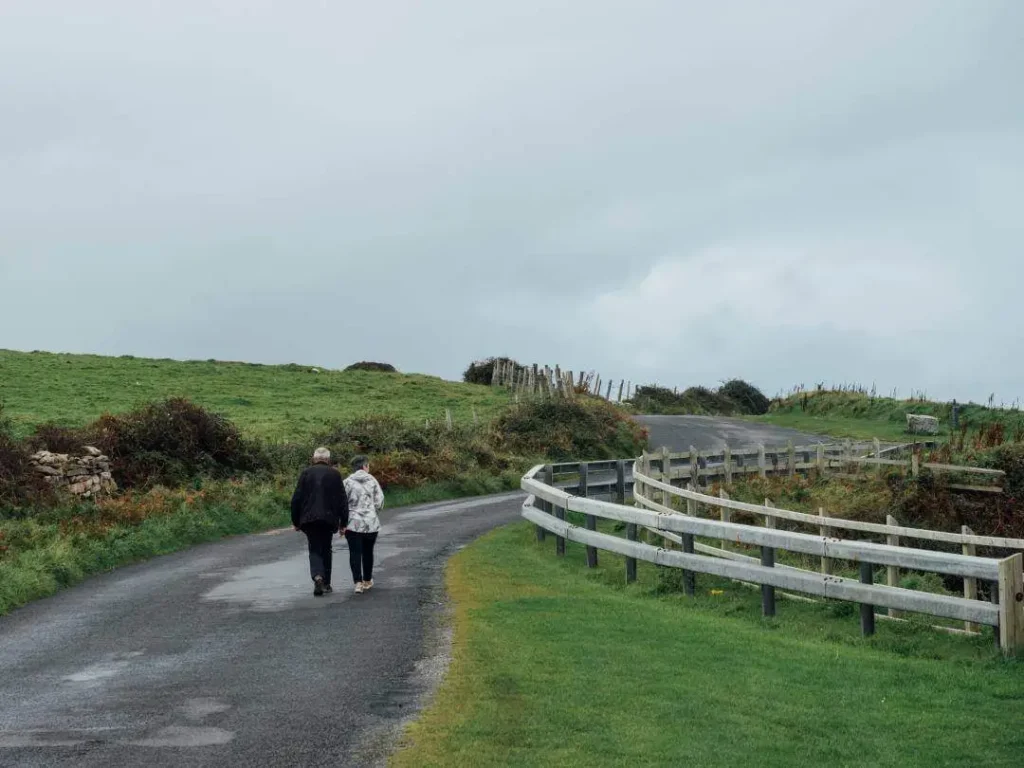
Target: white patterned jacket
{"points": [[365, 500]]}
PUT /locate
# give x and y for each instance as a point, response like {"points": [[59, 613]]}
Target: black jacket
{"points": [[320, 498]]}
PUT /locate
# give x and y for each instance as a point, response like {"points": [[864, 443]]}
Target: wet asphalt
{"points": [[678, 433], [221, 655]]}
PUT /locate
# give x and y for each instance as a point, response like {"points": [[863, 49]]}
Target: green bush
{"points": [[19, 485], [162, 443], [375, 367], [653, 399], [584, 428], [749, 398]]}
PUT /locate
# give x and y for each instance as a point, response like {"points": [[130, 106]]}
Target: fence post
{"points": [[620, 482], [724, 514], [826, 562], [970, 583], [892, 572], [448, 418], [645, 468], [994, 599], [622, 385], [1011, 604], [792, 458], [591, 521], [547, 477], [762, 463], [727, 461], [867, 612], [695, 469], [768, 560], [631, 561], [915, 464], [689, 577], [560, 514], [878, 456], [821, 458], [666, 476]]}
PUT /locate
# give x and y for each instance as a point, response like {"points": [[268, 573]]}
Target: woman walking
{"points": [[365, 500]]}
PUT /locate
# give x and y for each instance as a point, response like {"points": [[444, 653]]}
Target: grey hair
{"points": [[321, 456], [359, 462]]}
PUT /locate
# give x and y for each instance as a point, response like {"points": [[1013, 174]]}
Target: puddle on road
{"points": [[283, 584], [269, 586], [186, 736], [104, 669]]}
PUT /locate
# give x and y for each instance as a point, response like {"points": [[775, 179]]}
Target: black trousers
{"points": [[360, 554], [318, 536]]}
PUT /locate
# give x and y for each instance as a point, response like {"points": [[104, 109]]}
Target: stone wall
{"points": [[84, 476]]}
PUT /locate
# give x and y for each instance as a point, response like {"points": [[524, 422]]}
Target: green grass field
{"points": [[555, 665], [859, 415], [275, 402], [838, 425]]}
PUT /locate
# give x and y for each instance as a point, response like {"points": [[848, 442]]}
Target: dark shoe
{"points": [[318, 586], [328, 589]]}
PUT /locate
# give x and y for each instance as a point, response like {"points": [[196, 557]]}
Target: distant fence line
{"points": [[654, 495], [544, 381]]}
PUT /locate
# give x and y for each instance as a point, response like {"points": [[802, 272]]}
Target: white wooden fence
{"points": [[728, 464], [546, 507]]}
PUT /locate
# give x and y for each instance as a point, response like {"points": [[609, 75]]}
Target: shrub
{"points": [[661, 400], [748, 397], [19, 484], [165, 443], [482, 371], [378, 434], [583, 428], [376, 367], [709, 401], [59, 439]]}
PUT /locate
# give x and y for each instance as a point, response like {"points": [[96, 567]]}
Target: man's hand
{"points": [[297, 529], [342, 531]]}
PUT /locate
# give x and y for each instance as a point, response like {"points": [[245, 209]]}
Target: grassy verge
{"points": [[58, 548], [282, 402], [555, 665], [834, 425]]}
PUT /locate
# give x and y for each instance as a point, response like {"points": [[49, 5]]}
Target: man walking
{"points": [[365, 499], [319, 508]]}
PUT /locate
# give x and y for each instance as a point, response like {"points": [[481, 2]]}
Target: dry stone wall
{"points": [[84, 476]]}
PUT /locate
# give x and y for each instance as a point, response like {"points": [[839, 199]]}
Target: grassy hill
{"points": [[278, 402], [858, 414]]}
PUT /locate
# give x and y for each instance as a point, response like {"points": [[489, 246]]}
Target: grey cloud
{"points": [[456, 179]]}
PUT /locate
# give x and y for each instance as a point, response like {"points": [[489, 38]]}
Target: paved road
{"points": [[221, 655], [710, 432]]}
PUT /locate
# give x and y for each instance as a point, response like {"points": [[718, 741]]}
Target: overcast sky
{"points": [[681, 192]]}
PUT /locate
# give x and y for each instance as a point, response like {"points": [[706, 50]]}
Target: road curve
{"points": [[221, 655], [678, 433]]}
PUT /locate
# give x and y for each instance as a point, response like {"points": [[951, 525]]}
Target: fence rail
{"points": [[547, 505], [728, 463]]}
